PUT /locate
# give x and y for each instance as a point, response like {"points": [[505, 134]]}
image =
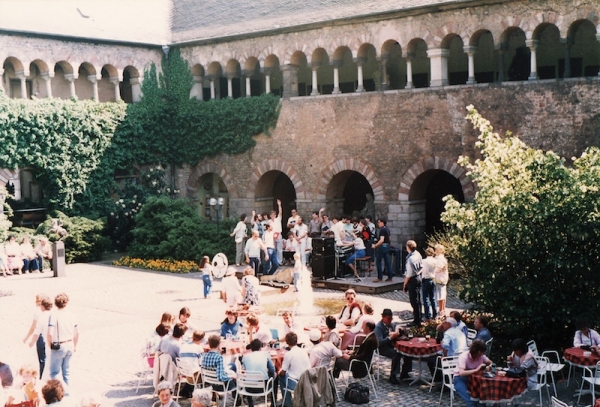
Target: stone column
{"points": [[230, 85], [409, 74], [196, 91], [115, 81], [598, 39], [501, 63], [94, 80], [532, 45], [360, 61], [568, 42], [247, 74], [211, 79], [290, 80], [21, 76], [383, 60], [470, 51], [136, 89], [69, 77], [48, 81], [267, 72], [314, 66], [438, 62], [336, 76]]}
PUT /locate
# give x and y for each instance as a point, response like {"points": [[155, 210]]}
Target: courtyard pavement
{"points": [[118, 308]]}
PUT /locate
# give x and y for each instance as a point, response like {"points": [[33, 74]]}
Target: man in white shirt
{"points": [[62, 331], [270, 265], [44, 252], [301, 232], [240, 234], [253, 247], [275, 223], [292, 219], [322, 352], [295, 362]]}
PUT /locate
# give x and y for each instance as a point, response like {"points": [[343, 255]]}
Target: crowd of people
{"points": [[23, 258]]}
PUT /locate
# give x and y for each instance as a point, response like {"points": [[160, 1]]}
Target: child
{"points": [[297, 270], [27, 376]]}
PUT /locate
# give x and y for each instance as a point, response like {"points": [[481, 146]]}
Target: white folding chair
{"points": [[287, 390], [437, 363], [330, 368], [471, 334], [557, 403], [592, 377], [147, 359], [358, 339], [188, 374], [553, 366], [448, 366], [209, 378], [533, 347], [488, 347], [253, 384], [368, 366], [542, 368]]}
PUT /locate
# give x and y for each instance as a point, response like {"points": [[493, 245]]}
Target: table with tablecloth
{"points": [[496, 388], [230, 346], [418, 348], [576, 357]]}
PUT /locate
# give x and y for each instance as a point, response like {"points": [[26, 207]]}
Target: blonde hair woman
{"points": [[441, 278], [250, 288]]}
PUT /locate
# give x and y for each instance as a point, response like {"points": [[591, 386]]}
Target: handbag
{"points": [[56, 345], [357, 393]]}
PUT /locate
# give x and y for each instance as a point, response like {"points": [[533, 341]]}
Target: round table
{"points": [[496, 388], [575, 357], [418, 348], [231, 347]]}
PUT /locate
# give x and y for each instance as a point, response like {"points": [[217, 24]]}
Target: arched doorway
{"points": [[271, 186], [349, 192], [211, 185], [428, 191]]}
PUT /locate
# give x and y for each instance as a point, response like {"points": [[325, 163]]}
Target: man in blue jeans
{"points": [[272, 264], [382, 251]]}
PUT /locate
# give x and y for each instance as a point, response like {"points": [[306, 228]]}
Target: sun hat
{"points": [[314, 335]]}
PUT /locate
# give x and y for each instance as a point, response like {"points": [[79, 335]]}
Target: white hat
{"points": [[230, 271], [314, 335]]}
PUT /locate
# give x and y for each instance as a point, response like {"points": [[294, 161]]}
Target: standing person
{"points": [[231, 288], [301, 232], [292, 219], [382, 251], [272, 264], [240, 234], [39, 328], [277, 228], [257, 224], [314, 226], [62, 330], [206, 270], [250, 290], [254, 245], [412, 284], [44, 252], [441, 278], [298, 266], [428, 285], [326, 225]]}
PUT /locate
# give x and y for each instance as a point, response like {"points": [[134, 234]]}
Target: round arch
{"points": [[350, 164], [205, 168], [280, 165]]}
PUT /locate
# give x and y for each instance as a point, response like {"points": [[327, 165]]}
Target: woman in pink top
{"points": [[468, 363]]}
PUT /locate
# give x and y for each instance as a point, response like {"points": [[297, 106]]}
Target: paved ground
{"points": [[118, 308]]}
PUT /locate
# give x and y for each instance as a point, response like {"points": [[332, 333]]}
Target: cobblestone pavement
{"points": [[117, 310]]}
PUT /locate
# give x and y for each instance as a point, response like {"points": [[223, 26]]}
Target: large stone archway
{"points": [[204, 168], [350, 164], [275, 164]]}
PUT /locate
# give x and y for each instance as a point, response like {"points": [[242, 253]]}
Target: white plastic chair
{"points": [[553, 366], [488, 347], [557, 403], [330, 369], [448, 367], [471, 334], [592, 377], [358, 339], [542, 368], [147, 369], [287, 387], [253, 384], [187, 374], [209, 377]]}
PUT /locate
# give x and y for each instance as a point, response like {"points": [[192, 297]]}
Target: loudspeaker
{"points": [[323, 267], [324, 246]]}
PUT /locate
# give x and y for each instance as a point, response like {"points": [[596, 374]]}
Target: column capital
{"points": [[289, 67], [383, 58], [438, 52], [532, 44], [70, 77], [132, 81], [92, 78], [213, 77], [46, 76], [267, 70], [409, 55], [470, 49], [197, 79], [20, 74], [114, 80], [231, 75], [359, 60], [315, 65], [336, 63], [569, 40]]}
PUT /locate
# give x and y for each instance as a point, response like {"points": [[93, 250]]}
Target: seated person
{"points": [[322, 351], [213, 360], [6, 376], [480, 324], [461, 325], [352, 310], [165, 394], [230, 324], [349, 335], [332, 334], [190, 354], [258, 361], [172, 344], [522, 357], [585, 336], [289, 248], [359, 252], [202, 398], [30, 262], [289, 325], [295, 362], [53, 392], [453, 343], [232, 288], [364, 353], [4, 262], [13, 253], [258, 331], [153, 342], [387, 336], [26, 382], [470, 362], [184, 318], [44, 252]]}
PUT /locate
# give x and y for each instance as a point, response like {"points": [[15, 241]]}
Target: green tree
{"points": [[529, 240]]}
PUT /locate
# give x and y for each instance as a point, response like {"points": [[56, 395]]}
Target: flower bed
{"points": [[172, 266]]}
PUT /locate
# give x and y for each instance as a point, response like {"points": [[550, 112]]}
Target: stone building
{"points": [[373, 91]]}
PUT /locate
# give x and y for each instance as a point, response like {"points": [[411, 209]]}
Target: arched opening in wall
{"points": [[517, 57], [211, 185], [421, 68], [485, 58], [84, 88], [232, 86], [125, 87], [13, 72], [38, 71], [367, 56], [197, 72], [429, 189], [350, 193], [394, 76], [342, 59], [324, 72], [61, 87], [106, 89], [458, 62], [274, 185], [213, 74], [585, 49], [549, 51], [304, 74], [252, 72], [272, 69]]}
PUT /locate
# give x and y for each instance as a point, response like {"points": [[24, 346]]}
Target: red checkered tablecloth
{"points": [[415, 347], [495, 388], [575, 356]]}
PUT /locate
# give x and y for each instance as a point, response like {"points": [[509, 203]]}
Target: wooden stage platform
{"points": [[366, 286]]}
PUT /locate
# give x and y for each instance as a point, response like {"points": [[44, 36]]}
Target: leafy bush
{"points": [[85, 241], [529, 241], [172, 229]]}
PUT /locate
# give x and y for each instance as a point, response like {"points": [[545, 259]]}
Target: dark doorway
{"points": [[347, 194], [441, 184]]}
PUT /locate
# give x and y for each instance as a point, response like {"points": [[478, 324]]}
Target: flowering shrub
{"points": [[172, 266]]}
